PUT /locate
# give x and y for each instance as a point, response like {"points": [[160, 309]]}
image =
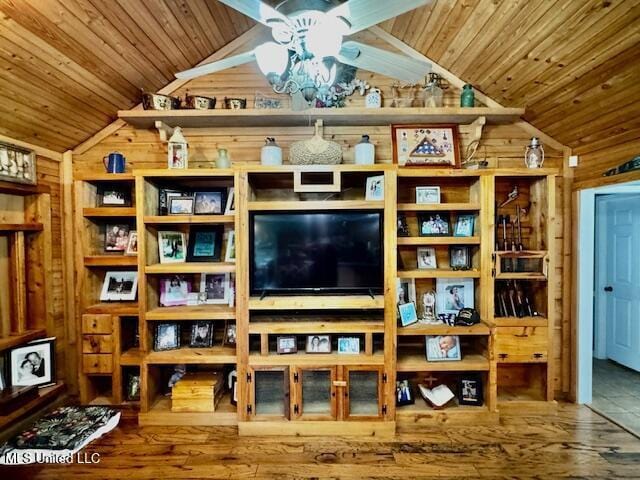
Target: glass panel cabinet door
{"points": [[364, 392], [270, 394], [316, 397]]}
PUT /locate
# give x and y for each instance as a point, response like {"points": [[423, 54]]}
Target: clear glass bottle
{"points": [[433, 93]]}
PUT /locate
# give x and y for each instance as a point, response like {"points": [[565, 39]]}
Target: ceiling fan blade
{"points": [[259, 11], [363, 14], [213, 67], [383, 62]]}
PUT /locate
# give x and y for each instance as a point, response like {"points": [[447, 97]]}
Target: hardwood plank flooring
{"points": [[575, 443]]}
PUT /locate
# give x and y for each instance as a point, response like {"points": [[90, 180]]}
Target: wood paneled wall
{"points": [[593, 163]]}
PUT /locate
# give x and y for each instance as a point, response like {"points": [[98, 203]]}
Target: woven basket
{"points": [[316, 150]]}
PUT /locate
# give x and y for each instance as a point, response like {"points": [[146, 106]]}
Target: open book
{"points": [[437, 397]]}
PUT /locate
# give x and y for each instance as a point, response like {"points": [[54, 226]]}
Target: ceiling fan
{"points": [[308, 46]]}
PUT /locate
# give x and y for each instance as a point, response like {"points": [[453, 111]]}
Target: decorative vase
{"points": [[373, 98], [223, 160], [467, 97], [365, 152], [316, 150], [271, 153]]}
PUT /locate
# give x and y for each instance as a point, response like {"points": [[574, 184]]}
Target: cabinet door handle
{"points": [[608, 288]]}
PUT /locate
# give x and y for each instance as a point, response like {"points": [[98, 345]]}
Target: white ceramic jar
{"points": [[365, 152], [271, 153]]}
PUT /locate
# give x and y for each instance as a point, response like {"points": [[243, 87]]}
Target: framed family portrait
{"points": [[426, 258], [425, 145], [119, 287], [459, 257], [167, 336], [287, 344], [201, 335], [215, 286], [426, 195], [172, 247], [434, 224], [114, 196], [209, 203], [349, 345], [464, 226], [181, 205], [33, 364], [116, 238], [174, 291], [205, 243], [443, 348], [454, 294], [318, 344]]}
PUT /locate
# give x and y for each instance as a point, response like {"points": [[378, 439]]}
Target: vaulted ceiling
{"points": [[67, 66]]}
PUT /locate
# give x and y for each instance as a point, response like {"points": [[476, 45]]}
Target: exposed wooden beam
{"points": [[43, 152]]}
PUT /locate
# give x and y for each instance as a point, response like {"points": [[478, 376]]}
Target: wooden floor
{"points": [[577, 443]]}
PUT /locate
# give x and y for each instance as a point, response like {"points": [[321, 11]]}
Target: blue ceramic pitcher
{"points": [[114, 162]]}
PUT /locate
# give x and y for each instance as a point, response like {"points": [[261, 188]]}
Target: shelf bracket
{"points": [[164, 130], [475, 135]]}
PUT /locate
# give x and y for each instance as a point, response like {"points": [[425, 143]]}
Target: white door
{"points": [[620, 283]]}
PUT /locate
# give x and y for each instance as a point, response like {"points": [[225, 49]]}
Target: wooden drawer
{"points": [[97, 344], [100, 324], [97, 363], [521, 344]]}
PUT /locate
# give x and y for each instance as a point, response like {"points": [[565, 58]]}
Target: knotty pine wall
{"points": [[594, 162], [502, 146]]}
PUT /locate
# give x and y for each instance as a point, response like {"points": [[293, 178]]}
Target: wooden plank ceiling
{"points": [[67, 66]]}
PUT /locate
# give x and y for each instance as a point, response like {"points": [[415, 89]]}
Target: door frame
{"points": [[585, 282]]}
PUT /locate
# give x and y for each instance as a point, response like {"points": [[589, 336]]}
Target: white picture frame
{"points": [[427, 195], [454, 294], [230, 247], [375, 189], [443, 348], [348, 346], [172, 247], [230, 206], [215, 286], [426, 258], [119, 286]]}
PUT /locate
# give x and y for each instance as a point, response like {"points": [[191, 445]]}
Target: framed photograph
{"points": [[133, 387], [454, 294], [349, 345], [164, 195], [287, 344], [230, 249], [132, 245], [215, 286], [167, 336], [205, 243], [426, 145], [201, 335], [318, 344], [375, 188], [172, 247], [443, 348], [426, 258], [464, 226], [404, 395], [408, 314], [209, 203], [230, 208], [3, 383], [230, 334], [434, 224], [470, 390], [406, 290], [403, 226], [119, 287], [425, 195], [17, 165], [181, 205], [116, 238], [174, 291], [459, 257], [114, 196], [33, 364]]}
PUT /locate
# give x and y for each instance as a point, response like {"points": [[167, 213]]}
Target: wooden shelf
{"points": [[520, 322], [427, 172], [316, 302], [435, 207], [20, 338], [196, 312], [438, 240], [20, 227], [187, 173], [114, 308], [521, 276], [22, 189], [331, 116], [317, 205], [160, 414], [105, 177], [453, 414], [132, 357], [211, 356], [91, 212], [302, 358], [294, 327], [187, 219], [192, 267], [45, 395], [110, 261], [438, 273], [415, 361], [422, 329]]}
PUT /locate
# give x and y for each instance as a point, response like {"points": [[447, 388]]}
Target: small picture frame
{"points": [[459, 257], [230, 207], [464, 226], [205, 243], [215, 286], [201, 334], [174, 291], [426, 258], [318, 344], [230, 334], [404, 393], [375, 188], [33, 364], [133, 388], [114, 196], [172, 246], [116, 237], [454, 294], [406, 289], [427, 195], [442, 348], [286, 344], [403, 226], [167, 336], [348, 345], [181, 205], [408, 314], [132, 245], [434, 224], [230, 249], [209, 203], [470, 391], [120, 286]]}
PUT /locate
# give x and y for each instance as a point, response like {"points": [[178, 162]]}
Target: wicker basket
{"points": [[316, 150]]}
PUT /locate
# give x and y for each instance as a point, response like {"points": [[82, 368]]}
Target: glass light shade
{"points": [[324, 39], [272, 58], [534, 154]]}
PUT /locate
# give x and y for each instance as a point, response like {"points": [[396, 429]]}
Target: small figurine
{"points": [[178, 372], [429, 308]]}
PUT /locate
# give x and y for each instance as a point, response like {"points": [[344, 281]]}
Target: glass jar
{"points": [[433, 93], [223, 160], [467, 97]]}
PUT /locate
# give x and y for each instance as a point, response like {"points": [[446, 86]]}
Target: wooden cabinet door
{"points": [[314, 395], [268, 393], [363, 394]]}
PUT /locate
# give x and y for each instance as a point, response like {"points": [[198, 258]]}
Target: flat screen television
{"points": [[316, 252]]}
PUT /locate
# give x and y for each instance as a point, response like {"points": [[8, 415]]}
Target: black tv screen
{"points": [[333, 252]]}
